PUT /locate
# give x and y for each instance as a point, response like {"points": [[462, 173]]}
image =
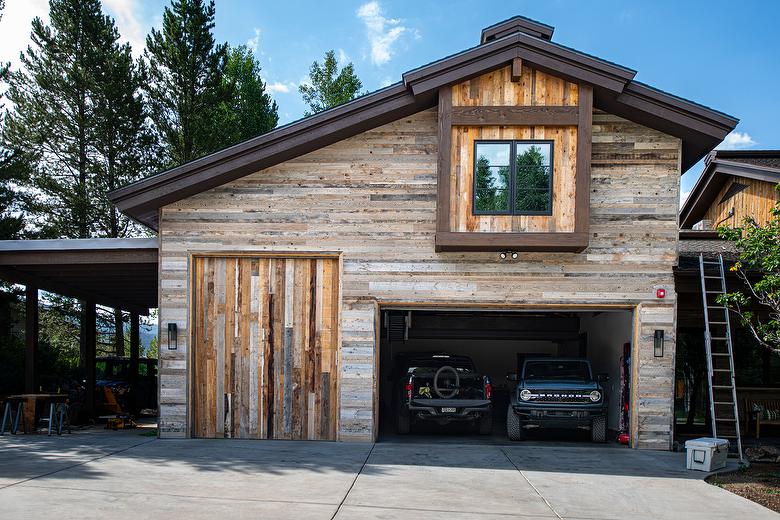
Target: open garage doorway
{"points": [[491, 344]]}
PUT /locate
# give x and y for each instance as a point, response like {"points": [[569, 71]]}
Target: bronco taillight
{"points": [[488, 390]]}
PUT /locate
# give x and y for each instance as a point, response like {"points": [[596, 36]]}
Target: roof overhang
{"points": [[700, 128], [115, 272], [716, 173]]}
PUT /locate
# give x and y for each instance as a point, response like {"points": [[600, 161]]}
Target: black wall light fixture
{"points": [[173, 337], [658, 343]]}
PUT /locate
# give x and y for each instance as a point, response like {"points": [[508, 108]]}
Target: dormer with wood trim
{"points": [[514, 162]]}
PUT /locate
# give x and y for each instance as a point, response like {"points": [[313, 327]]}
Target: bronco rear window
{"points": [[557, 370]]}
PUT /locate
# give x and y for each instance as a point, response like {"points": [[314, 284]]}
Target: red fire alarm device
{"points": [[660, 293]]}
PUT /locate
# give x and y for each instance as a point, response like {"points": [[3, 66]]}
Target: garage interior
{"points": [[497, 341]]}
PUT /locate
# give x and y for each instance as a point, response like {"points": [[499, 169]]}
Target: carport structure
{"points": [[120, 273]]}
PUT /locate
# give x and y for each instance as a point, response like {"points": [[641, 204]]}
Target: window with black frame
{"points": [[513, 177]]}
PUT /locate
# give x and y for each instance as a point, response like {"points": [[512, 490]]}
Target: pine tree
{"points": [[248, 109], [79, 117], [53, 119], [330, 87], [185, 69]]}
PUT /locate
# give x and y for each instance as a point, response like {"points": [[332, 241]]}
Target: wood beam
{"points": [[475, 241], [90, 352], [30, 337], [515, 115], [66, 289], [584, 143], [517, 70], [444, 166], [135, 340]]}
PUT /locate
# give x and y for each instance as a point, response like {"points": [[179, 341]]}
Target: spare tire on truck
{"points": [[452, 391]]}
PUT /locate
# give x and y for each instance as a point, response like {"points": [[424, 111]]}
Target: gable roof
{"points": [[700, 128], [720, 165]]}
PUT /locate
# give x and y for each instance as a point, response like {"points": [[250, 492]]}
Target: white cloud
{"points": [[254, 42], [386, 82], [684, 196], [343, 58], [736, 140], [278, 86], [16, 26], [132, 27], [382, 32]]}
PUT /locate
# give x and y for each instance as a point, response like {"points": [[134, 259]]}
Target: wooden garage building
{"points": [[277, 254]]}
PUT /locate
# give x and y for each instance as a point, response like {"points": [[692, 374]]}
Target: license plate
{"points": [[449, 410]]}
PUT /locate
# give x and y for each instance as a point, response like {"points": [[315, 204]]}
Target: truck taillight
{"points": [[409, 390], [488, 390]]}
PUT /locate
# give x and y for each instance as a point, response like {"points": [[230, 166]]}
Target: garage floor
{"points": [[122, 475]]}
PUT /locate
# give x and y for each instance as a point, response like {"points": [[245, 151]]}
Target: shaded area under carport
{"points": [[114, 272]]}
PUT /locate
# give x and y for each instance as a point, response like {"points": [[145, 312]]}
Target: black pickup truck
{"points": [[557, 393], [442, 388]]}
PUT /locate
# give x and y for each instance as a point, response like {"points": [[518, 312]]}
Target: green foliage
{"points": [[532, 182], [248, 110], [489, 196], [759, 267], [329, 87], [78, 120], [185, 87]]}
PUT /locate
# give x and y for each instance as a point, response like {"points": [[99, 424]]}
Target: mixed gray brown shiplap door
{"points": [[265, 347]]}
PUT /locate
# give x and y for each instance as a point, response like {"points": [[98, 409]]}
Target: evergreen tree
{"points": [[185, 87], [53, 117], [80, 118], [330, 87], [248, 110], [533, 181]]}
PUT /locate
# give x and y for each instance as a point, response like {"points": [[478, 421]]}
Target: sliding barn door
{"points": [[265, 347]]}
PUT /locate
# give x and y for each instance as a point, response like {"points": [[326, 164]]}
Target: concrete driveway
{"points": [[122, 475]]}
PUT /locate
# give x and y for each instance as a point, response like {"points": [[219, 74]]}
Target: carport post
{"points": [[134, 347], [90, 347], [30, 337]]}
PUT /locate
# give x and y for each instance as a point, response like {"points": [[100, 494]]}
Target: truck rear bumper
{"points": [[449, 410]]}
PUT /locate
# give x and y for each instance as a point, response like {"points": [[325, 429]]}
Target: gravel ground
{"points": [[759, 483]]}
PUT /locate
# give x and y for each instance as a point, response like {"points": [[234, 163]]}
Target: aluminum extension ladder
{"points": [[724, 413]]}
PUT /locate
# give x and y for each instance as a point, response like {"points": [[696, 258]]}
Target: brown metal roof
{"points": [[720, 166], [700, 128], [115, 272]]}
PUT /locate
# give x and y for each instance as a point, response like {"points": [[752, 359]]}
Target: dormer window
{"points": [[513, 177]]}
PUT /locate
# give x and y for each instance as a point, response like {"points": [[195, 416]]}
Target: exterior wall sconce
{"points": [[658, 343], [173, 337]]}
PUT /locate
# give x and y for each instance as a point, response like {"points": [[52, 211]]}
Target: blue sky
{"points": [[717, 53]]}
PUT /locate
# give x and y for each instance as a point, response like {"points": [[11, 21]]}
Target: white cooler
{"points": [[707, 453]]}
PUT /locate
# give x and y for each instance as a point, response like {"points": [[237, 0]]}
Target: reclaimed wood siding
{"points": [[265, 347], [535, 88], [373, 198], [755, 201]]}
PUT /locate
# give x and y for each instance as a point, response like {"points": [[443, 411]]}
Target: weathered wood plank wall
{"points": [[754, 201], [373, 197], [264, 363]]}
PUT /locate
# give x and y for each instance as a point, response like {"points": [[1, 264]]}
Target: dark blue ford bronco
{"points": [[557, 393]]}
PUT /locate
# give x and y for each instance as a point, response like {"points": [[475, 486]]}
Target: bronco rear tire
{"points": [[486, 424], [513, 429], [598, 430]]}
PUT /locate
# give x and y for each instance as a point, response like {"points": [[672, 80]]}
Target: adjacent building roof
{"points": [[115, 272], [615, 90], [721, 165]]}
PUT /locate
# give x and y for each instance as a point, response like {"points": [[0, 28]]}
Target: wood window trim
{"points": [[576, 241], [511, 210]]}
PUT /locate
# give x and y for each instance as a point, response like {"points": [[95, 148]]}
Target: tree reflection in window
{"points": [[513, 177]]}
